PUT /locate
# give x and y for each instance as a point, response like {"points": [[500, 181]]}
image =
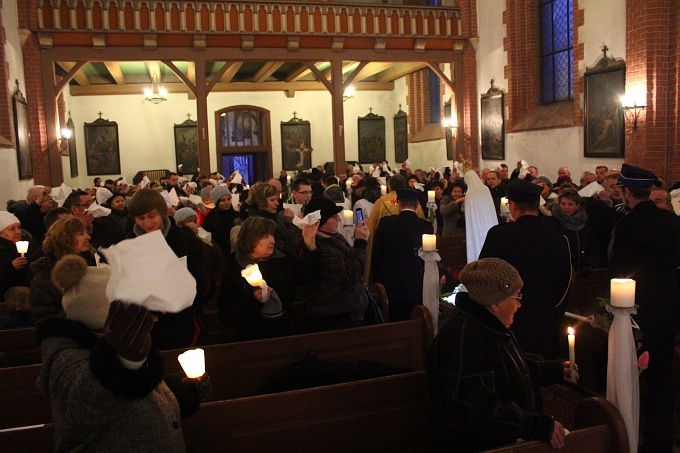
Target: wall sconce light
{"points": [[156, 94], [633, 104], [452, 125], [348, 94], [63, 140]]}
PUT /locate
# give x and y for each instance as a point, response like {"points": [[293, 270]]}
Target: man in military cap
{"points": [[542, 258], [395, 259], [646, 248]]}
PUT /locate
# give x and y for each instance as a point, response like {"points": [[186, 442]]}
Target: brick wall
{"points": [[650, 35], [34, 93], [673, 144], [468, 12]]}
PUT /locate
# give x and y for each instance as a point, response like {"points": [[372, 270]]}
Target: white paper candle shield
{"points": [[348, 217], [429, 242], [22, 247], [252, 275], [622, 292], [193, 362]]}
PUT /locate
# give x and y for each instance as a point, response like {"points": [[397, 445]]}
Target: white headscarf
{"points": [[480, 214]]}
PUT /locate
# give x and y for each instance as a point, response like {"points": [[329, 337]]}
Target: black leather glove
{"points": [[128, 330]]}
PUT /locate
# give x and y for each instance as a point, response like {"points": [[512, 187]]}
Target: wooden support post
{"points": [[202, 117], [54, 156], [339, 160]]}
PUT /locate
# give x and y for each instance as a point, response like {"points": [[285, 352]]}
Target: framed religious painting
{"points": [[604, 124], [296, 144], [186, 146], [400, 136], [21, 133], [371, 138], [449, 132], [102, 153], [493, 124]]}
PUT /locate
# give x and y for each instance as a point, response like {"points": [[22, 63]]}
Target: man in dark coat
{"points": [[542, 258], [395, 259], [32, 218], [646, 248]]}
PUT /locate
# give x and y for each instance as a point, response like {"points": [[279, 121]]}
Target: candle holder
{"points": [[431, 213], [431, 284]]}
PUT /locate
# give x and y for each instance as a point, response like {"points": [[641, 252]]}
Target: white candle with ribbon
{"points": [[383, 189], [348, 217], [429, 242], [22, 247], [193, 362], [572, 353], [622, 292], [430, 196]]}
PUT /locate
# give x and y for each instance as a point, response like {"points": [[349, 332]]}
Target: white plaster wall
{"points": [[10, 186], [605, 23], [146, 130]]}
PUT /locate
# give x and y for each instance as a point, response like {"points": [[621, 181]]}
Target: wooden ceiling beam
{"points": [[80, 77], [231, 72], [115, 71], [138, 88], [154, 67], [298, 73], [399, 70], [371, 69], [267, 70]]}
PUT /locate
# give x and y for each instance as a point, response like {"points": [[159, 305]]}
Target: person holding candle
{"points": [[395, 259], [244, 306], [13, 265], [105, 382], [480, 389], [646, 249], [451, 209], [40, 201]]}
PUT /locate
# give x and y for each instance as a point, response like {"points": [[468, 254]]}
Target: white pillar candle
{"points": [[383, 189], [193, 362], [505, 209], [572, 353], [348, 184], [22, 247], [430, 196], [429, 242], [622, 292], [348, 217], [288, 179]]}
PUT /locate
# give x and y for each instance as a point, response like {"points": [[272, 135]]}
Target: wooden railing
{"points": [[248, 17]]}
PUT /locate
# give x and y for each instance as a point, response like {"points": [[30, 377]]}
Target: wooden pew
{"points": [[239, 369], [585, 291], [18, 347], [453, 253]]}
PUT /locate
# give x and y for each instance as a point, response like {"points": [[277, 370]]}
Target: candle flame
{"points": [[570, 330]]}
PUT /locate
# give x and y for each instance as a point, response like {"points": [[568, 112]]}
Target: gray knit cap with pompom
{"points": [[490, 280]]}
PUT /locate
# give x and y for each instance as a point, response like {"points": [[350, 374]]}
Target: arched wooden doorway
{"points": [[244, 142]]}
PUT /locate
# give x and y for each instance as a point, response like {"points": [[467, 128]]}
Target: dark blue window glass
{"points": [[557, 56], [242, 162], [435, 98]]}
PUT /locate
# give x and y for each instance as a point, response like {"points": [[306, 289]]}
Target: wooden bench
{"points": [[383, 414], [453, 253], [239, 369]]}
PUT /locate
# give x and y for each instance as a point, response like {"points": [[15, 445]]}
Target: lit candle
{"points": [[622, 292], [430, 196], [383, 189], [572, 353], [288, 179], [253, 276], [348, 184], [22, 247], [348, 217], [429, 242], [193, 362], [505, 209]]}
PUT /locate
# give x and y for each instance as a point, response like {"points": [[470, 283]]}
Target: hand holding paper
{"points": [[309, 219]]}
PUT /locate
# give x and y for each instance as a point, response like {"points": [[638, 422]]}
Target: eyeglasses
{"points": [[518, 297], [304, 192]]}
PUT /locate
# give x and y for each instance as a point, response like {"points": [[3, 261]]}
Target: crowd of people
{"points": [[538, 234]]}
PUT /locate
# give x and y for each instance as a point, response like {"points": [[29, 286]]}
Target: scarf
{"points": [[574, 222]]}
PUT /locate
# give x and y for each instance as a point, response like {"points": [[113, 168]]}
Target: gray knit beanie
{"points": [[543, 179], [219, 192], [490, 280]]}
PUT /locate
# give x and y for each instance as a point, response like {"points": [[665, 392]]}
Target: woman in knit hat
{"points": [[13, 266], [221, 218], [480, 391]]}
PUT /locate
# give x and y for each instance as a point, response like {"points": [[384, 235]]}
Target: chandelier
{"points": [[156, 94]]}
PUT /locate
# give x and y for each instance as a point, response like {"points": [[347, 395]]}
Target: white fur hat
{"points": [[84, 289]]}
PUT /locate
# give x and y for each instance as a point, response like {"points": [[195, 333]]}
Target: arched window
{"points": [[243, 142], [557, 52]]}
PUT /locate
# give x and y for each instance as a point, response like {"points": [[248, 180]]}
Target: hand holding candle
{"points": [[572, 354], [22, 247], [253, 276]]}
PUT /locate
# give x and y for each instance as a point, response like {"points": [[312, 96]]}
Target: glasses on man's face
{"points": [[304, 192], [518, 297]]}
